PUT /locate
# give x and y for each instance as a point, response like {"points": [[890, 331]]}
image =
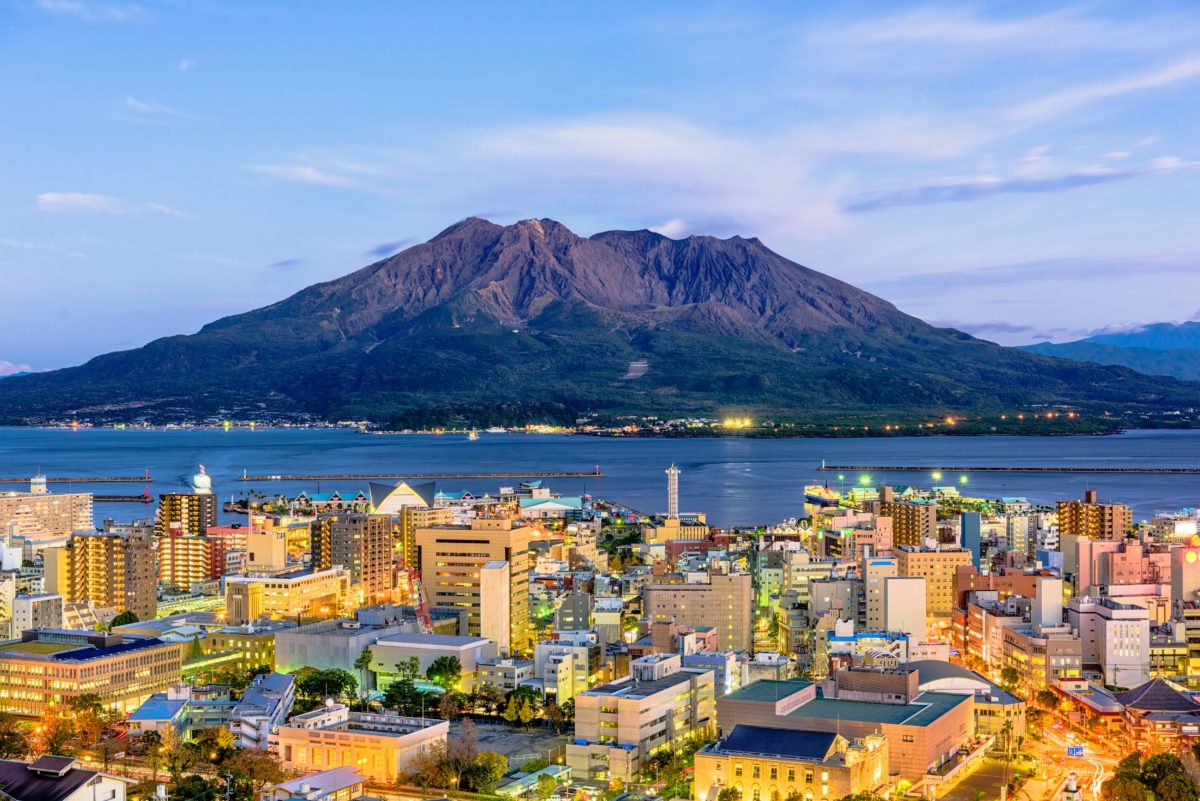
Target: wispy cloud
{"points": [[968, 189], [385, 249], [1074, 98], [306, 174], [8, 368], [286, 264], [88, 202], [92, 11], [18, 244], [147, 112]]}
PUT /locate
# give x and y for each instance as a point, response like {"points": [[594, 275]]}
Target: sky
{"points": [[1020, 172]]}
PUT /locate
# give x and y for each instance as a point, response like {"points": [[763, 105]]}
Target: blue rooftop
{"points": [[812, 745]]}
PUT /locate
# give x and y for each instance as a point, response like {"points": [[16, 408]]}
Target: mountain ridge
{"points": [[530, 315], [1168, 349]]}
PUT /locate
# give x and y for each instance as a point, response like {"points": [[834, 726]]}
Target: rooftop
{"points": [[24, 782], [448, 640], [768, 690], [809, 745], [644, 689], [921, 711]]}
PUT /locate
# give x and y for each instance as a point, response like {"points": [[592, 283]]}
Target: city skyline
{"points": [[974, 165]]}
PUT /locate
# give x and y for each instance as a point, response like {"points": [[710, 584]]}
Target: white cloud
{"points": [[92, 11], [98, 204], [305, 174], [1059, 103], [8, 368], [673, 229], [80, 201], [18, 244], [1117, 155]]}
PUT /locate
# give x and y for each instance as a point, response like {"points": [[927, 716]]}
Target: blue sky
{"points": [[1021, 172]]}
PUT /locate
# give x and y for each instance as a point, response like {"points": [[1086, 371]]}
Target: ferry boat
{"points": [[821, 495], [472, 435]]}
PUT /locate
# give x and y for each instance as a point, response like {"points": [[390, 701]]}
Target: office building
{"points": [[971, 536], [720, 600], [380, 747], [186, 513], [363, 545], [766, 763], [504, 674], [618, 725], [913, 522], [452, 558], [411, 518], [568, 663], [42, 515], [305, 593], [1114, 639], [47, 668], [938, 568], [1042, 655], [264, 707], [336, 643], [574, 613], [924, 729], [253, 642], [112, 568]]}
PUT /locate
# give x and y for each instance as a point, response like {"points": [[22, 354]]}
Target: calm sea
{"points": [[736, 481]]}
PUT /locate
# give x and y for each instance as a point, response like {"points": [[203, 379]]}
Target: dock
{"points": [[83, 480], [899, 468], [122, 499], [416, 476]]}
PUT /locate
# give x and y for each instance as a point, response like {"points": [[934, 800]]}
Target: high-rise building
{"points": [[409, 520], [875, 572], [42, 515], [717, 600], [938, 567], [904, 606], [1093, 520], [913, 522], [452, 557], [184, 560], [363, 545], [187, 512], [971, 535], [114, 567]]}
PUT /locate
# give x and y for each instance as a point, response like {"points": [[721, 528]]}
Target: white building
{"points": [[42, 610], [904, 606], [264, 707], [567, 664], [390, 655], [875, 572], [1113, 636]]}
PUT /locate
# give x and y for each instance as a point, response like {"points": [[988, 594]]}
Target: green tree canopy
{"points": [[1122, 788], [123, 619], [1177, 787], [1159, 767], [446, 671]]}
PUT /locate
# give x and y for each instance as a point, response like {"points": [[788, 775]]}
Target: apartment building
{"points": [[913, 522], [1090, 519], [720, 600], [43, 515], [363, 545], [618, 725], [185, 513], [937, 567], [1042, 655], [113, 568]]}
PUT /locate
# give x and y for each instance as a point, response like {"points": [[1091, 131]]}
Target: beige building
{"points": [[187, 513], [938, 568], [114, 568], [723, 601], [49, 667], [45, 515], [690, 527], [452, 560], [1042, 655], [913, 522], [308, 593], [619, 725], [381, 747], [363, 545], [1089, 519], [411, 518], [765, 764]]}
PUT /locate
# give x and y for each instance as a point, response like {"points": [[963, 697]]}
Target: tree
{"points": [[178, 756], [729, 794], [257, 767], [1159, 767], [215, 745], [568, 710], [1010, 678], [53, 734], [545, 786], [363, 664], [320, 684], [1130, 767], [450, 705], [488, 698], [403, 696], [446, 671], [553, 714], [534, 765], [1177, 787], [1122, 788], [197, 650], [123, 619], [13, 742], [1047, 699], [487, 769]]}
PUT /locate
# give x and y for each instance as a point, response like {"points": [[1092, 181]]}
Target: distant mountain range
{"points": [[1171, 349], [489, 323]]}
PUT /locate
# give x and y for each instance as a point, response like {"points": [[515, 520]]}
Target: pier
{"points": [[83, 480], [122, 499], [416, 476], [899, 468]]}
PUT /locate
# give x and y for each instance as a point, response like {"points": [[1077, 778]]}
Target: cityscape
{"points": [[542, 401]]}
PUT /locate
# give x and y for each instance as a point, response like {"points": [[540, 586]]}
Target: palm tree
{"points": [[362, 665]]}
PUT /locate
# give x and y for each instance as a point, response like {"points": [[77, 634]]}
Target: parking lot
{"points": [[519, 745]]}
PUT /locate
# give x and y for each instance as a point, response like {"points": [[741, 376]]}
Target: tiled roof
{"points": [[1157, 695]]}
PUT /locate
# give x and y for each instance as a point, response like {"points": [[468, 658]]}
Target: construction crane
{"points": [[416, 596]]}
